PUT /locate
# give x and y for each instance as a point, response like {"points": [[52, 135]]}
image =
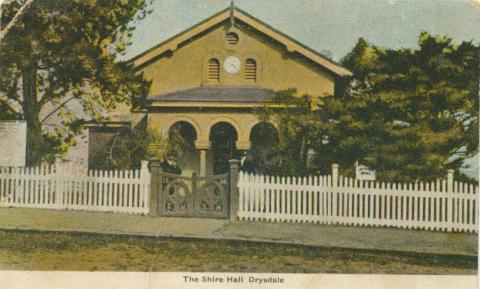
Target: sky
{"points": [[333, 25]]}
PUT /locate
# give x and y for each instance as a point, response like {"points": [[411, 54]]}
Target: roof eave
{"points": [[233, 105], [113, 124], [291, 44], [171, 44]]}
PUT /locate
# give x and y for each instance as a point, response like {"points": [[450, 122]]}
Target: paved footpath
{"points": [[288, 233]]}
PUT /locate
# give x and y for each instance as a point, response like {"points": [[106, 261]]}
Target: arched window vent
{"points": [[251, 70], [232, 38], [214, 70]]}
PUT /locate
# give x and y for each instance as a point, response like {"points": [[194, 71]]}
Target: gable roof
{"points": [[291, 44]]}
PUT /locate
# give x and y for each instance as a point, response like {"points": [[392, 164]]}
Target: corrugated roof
{"points": [[231, 94]]}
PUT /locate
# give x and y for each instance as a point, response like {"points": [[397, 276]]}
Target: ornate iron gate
{"points": [[193, 196]]}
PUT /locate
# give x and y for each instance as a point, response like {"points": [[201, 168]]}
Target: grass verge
{"points": [[20, 250]]}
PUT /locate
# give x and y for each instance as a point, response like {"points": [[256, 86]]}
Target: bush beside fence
{"points": [[443, 205]]}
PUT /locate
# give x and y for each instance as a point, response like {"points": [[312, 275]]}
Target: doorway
{"points": [[223, 137], [183, 135]]}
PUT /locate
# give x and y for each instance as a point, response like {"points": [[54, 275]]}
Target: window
{"points": [[251, 70], [214, 70], [232, 38]]}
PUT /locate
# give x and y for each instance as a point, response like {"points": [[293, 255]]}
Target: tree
{"points": [[60, 62], [299, 129], [134, 145], [15, 19], [410, 114], [263, 156], [406, 112]]}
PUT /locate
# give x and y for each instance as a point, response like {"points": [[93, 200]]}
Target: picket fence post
{"points": [[450, 181], [334, 175], [450, 201], [59, 182], [334, 209]]}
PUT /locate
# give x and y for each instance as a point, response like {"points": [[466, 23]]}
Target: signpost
{"points": [[364, 173], [13, 143]]}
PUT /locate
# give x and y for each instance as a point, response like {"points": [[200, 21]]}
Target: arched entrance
{"points": [[183, 135], [223, 137], [263, 134], [263, 138]]}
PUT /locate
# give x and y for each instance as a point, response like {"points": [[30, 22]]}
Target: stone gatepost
{"points": [[233, 189], [155, 186]]}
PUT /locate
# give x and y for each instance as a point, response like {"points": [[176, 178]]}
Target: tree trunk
{"points": [[34, 142], [31, 111]]}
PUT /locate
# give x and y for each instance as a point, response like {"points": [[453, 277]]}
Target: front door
{"points": [[223, 151], [223, 140]]}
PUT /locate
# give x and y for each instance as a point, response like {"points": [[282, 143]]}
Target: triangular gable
{"points": [[290, 44]]}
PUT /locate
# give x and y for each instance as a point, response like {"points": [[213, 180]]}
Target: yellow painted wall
{"points": [[277, 68], [203, 122]]}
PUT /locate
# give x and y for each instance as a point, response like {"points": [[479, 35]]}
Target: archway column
{"points": [[243, 145], [203, 147]]}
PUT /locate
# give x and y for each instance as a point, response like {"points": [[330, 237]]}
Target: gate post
{"points": [[233, 188], [154, 186], [193, 207], [335, 195]]}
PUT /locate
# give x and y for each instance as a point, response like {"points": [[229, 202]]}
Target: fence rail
{"points": [[63, 187], [443, 205]]}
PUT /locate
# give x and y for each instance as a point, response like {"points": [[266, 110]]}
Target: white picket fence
{"points": [[62, 186], [443, 205]]}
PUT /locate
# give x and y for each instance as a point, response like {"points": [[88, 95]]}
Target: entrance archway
{"points": [[183, 135], [223, 137], [263, 138], [263, 134]]}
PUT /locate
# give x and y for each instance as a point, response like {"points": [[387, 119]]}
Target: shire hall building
{"points": [[208, 80]]}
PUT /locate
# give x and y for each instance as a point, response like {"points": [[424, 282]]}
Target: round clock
{"points": [[232, 64]]}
